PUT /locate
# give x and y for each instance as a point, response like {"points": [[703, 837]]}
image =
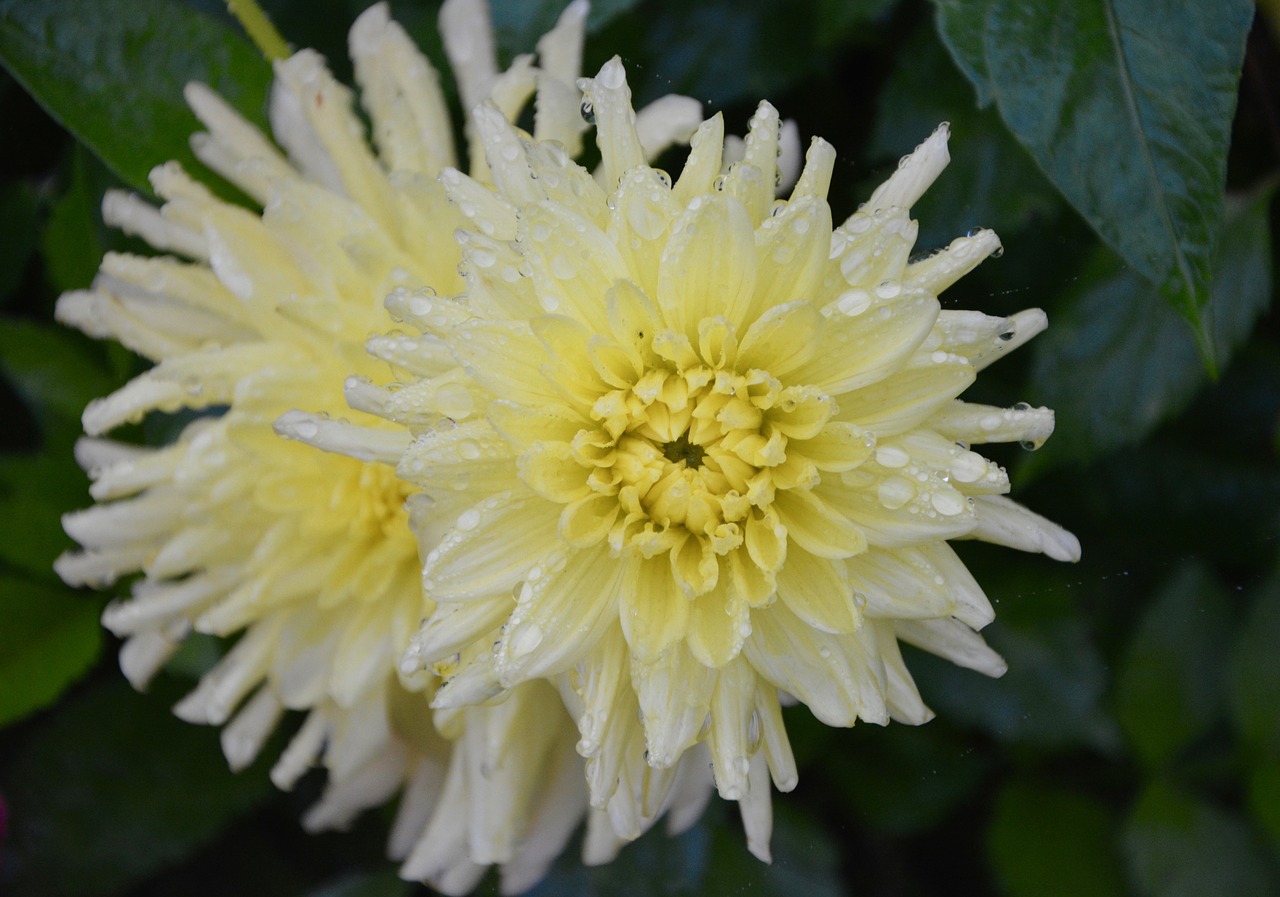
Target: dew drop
{"points": [[895, 492], [468, 520], [306, 429], [948, 504], [892, 456], [854, 302], [525, 639], [483, 257], [888, 289]]}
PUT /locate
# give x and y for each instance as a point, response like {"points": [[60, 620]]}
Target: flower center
{"points": [[682, 451]]}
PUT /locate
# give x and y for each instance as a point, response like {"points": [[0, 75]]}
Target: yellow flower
{"points": [[309, 556], [711, 452]]}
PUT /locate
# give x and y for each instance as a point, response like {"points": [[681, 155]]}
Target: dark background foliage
{"points": [[1133, 748]]}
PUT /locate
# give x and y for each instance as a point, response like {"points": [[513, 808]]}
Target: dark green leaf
{"points": [[1153, 82], [48, 638], [37, 490], [722, 51], [112, 72], [1169, 691], [112, 789], [520, 23], [75, 238], [369, 884], [1053, 842], [902, 779], [1052, 695], [19, 205], [1177, 846], [1116, 361], [55, 372], [990, 181], [959, 24], [709, 860], [838, 20], [1255, 675], [1263, 786]]}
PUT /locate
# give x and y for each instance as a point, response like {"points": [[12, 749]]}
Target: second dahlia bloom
{"points": [[711, 452]]}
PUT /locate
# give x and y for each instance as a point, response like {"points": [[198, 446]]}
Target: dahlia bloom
{"points": [[309, 557], [711, 452]]}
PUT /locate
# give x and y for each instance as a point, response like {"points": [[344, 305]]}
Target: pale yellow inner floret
{"points": [[686, 458]]}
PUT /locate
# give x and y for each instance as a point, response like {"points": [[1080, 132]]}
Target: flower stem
{"points": [[259, 28]]}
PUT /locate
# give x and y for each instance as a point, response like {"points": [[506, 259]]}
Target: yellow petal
{"points": [[718, 624], [491, 548], [816, 526], [675, 697], [559, 617], [855, 351], [653, 610], [793, 248], [709, 265], [586, 522], [817, 591]]}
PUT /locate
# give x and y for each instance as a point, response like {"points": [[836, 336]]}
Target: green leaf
{"points": [[38, 489], [709, 860], [920, 775], [112, 72], [19, 209], [1053, 842], [75, 238], [1116, 361], [990, 181], [1152, 81], [1255, 675], [1263, 785], [369, 884], [112, 789], [725, 51], [1178, 846], [959, 24], [1052, 696], [1170, 687], [48, 638], [519, 24], [54, 371]]}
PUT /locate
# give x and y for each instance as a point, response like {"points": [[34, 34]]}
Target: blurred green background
{"points": [[1133, 748]]}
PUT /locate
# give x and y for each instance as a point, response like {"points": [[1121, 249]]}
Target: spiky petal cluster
{"points": [[711, 450], [309, 556]]}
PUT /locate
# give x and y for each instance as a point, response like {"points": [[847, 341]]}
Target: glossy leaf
{"points": [[48, 638], [19, 206], [920, 775], [1053, 695], [113, 789], [1169, 691], [371, 884], [1155, 82], [1053, 842], [54, 371], [1116, 361], [1178, 846], [1263, 786], [1255, 673], [708, 860], [990, 181], [112, 73]]}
